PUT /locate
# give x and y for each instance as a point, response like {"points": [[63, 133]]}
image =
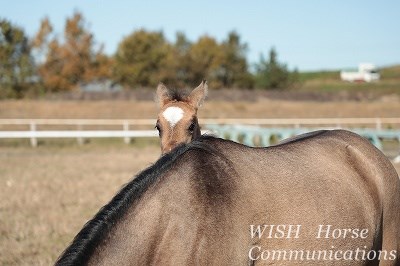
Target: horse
{"points": [[326, 197], [177, 121]]}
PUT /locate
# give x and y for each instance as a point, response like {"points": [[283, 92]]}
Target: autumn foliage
{"points": [[71, 61], [51, 62]]}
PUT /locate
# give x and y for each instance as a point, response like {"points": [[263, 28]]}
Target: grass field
{"points": [[48, 193], [388, 106], [329, 81]]}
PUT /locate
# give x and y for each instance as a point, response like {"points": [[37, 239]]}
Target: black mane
{"points": [[84, 244]]}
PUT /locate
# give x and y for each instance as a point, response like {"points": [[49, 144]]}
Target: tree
{"points": [[16, 64], [271, 74], [146, 58], [72, 61], [223, 64], [40, 42], [235, 66], [141, 59], [206, 61], [180, 61]]}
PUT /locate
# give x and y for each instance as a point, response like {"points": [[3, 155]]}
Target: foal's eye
{"points": [[158, 128], [191, 127]]}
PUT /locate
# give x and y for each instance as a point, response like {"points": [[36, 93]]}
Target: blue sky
{"points": [[308, 34]]}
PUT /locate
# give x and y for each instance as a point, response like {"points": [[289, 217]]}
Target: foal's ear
{"points": [[162, 95], [197, 96]]}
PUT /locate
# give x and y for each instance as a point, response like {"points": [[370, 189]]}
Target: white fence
{"points": [[33, 129]]}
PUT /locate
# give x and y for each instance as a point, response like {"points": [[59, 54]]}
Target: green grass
{"points": [[329, 81], [319, 75], [387, 73], [392, 72]]}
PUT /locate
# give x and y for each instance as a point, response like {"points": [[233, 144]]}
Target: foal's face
{"points": [[177, 124], [177, 120]]}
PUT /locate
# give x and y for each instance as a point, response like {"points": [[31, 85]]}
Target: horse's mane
{"points": [[93, 232]]}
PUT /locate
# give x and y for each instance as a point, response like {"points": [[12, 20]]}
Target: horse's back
{"points": [[323, 178], [185, 218], [206, 207]]}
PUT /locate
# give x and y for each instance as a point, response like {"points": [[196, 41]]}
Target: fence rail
{"points": [[298, 122], [36, 128], [259, 136]]}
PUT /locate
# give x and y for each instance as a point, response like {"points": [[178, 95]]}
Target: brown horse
{"points": [[177, 121], [327, 197]]}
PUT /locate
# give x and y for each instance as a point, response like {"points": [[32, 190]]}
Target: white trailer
{"points": [[367, 72]]}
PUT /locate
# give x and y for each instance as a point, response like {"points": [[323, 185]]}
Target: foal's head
{"points": [[177, 120]]}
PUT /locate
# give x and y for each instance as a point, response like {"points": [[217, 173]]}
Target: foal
{"points": [[177, 120]]}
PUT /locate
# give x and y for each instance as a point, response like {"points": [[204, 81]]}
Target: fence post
{"points": [[378, 124], [127, 139], [80, 140], [34, 142]]}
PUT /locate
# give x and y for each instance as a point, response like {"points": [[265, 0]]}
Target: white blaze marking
{"points": [[173, 115]]}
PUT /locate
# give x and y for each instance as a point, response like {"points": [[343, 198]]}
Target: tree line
{"points": [[50, 63]]}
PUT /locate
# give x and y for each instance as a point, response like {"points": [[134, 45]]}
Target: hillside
{"points": [[329, 81], [387, 73], [392, 72]]}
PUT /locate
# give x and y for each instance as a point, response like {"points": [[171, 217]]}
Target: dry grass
{"points": [[48, 193], [386, 107]]}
